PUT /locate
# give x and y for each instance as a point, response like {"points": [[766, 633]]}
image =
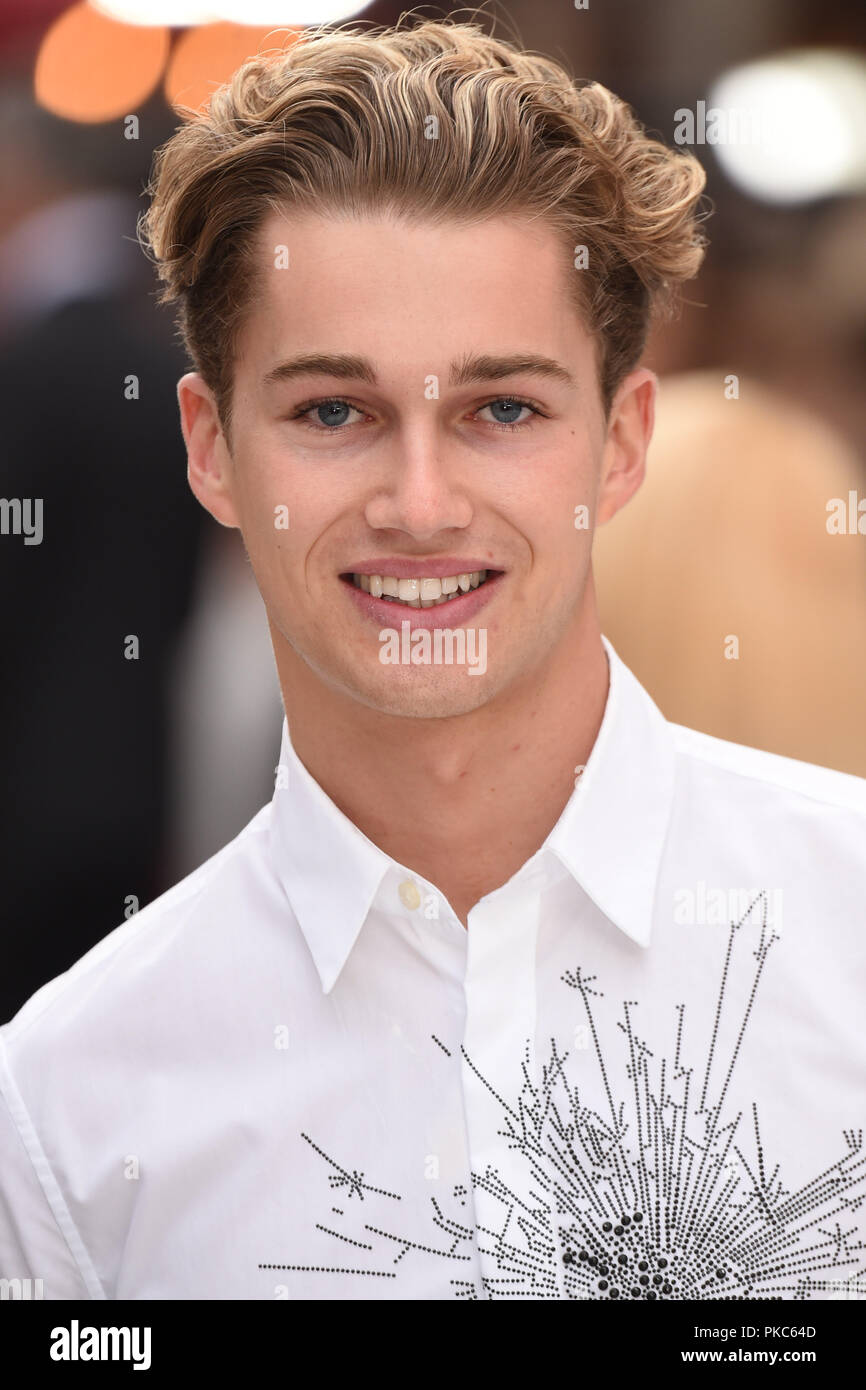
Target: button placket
{"points": [[498, 1056]]}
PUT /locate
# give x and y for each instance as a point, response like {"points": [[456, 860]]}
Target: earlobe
{"points": [[629, 431], [208, 458]]}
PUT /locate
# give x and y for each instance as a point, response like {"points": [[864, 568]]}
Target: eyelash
{"points": [[343, 400]]}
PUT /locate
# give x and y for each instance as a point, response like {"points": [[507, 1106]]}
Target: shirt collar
{"points": [[329, 869], [609, 837], [612, 832]]}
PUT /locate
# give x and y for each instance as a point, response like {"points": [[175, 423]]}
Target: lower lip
{"points": [[454, 613]]}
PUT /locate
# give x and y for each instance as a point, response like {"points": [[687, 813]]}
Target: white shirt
{"points": [[640, 1073]]}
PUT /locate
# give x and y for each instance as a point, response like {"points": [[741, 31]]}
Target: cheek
{"points": [[285, 531], [266, 497], [266, 525], [264, 490], [553, 503]]}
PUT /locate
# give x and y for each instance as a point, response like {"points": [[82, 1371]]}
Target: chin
{"points": [[425, 699]]}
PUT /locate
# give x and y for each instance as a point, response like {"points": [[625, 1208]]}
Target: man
{"points": [[514, 990]]}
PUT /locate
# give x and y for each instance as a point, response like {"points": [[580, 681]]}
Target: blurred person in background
{"points": [[724, 583], [224, 694], [83, 708]]}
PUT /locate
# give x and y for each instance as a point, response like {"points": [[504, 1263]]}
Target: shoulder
{"points": [[751, 772], [131, 973]]}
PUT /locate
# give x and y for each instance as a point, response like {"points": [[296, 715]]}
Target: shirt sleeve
{"points": [[32, 1244]]}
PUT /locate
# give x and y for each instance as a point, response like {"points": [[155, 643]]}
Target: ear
{"points": [[209, 469], [629, 430]]}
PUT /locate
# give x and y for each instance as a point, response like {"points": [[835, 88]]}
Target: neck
{"points": [[462, 801]]}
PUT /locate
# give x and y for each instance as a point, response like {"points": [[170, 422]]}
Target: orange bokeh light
{"points": [[91, 68], [204, 58]]}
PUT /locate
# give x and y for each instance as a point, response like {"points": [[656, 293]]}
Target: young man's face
{"points": [[422, 461]]}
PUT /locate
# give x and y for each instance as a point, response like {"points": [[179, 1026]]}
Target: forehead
{"points": [[410, 292]]}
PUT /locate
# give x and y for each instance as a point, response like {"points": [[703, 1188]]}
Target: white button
{"points": [[410, 894]]}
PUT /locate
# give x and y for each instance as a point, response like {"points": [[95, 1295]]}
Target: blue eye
{"points": [[511, 408], [332, 414]]}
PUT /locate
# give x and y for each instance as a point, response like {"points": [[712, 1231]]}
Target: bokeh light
{"points": [[182, 13], [91, 68], [175, 13], [205, 58], [290, 11], [802, 126]]}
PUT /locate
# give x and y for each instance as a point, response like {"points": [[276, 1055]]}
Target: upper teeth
{"points": [[419, 593]]}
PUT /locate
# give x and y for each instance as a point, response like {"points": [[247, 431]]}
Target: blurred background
{"points": [[140, 709]]}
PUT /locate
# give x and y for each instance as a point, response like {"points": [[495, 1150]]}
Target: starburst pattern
{"points": [[663, 1193]]}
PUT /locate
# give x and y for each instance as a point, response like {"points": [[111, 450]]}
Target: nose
{"points": [[421, 491]]}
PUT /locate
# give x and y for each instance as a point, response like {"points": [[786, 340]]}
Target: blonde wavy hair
{"points": [[338, 123]]}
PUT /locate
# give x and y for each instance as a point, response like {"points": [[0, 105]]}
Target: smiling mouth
{"points": [[420, 592]]}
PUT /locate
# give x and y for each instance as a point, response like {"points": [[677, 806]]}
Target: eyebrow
{"points": [[471, 368]]}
